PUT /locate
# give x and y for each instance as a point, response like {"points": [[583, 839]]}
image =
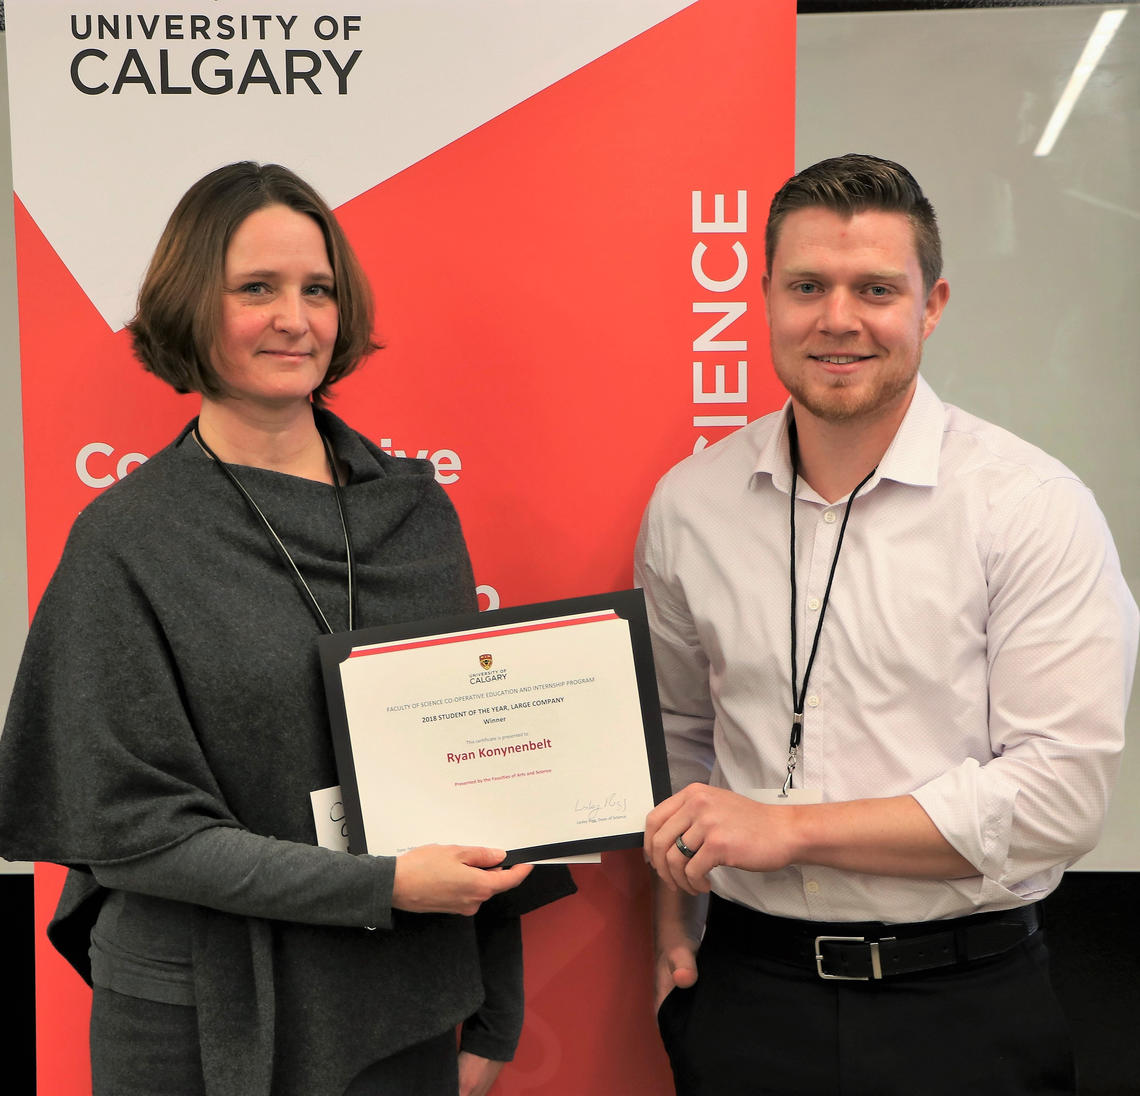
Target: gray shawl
{"points": [[171, 683]]}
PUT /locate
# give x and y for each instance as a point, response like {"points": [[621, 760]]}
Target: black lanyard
{"points": [[282, 551], [798, 696]]}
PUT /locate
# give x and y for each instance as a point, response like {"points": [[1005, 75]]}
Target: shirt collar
{"points": [[912, 456], [774, 458]]}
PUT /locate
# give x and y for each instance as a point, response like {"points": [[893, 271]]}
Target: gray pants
{"points": [[146, 1048]]}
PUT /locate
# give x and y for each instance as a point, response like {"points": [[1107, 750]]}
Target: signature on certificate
{"points": [[601, 809]]}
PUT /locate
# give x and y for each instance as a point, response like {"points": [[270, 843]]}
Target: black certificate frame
{"points": [[629, 605]]}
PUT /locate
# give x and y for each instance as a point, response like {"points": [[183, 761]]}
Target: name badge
{"points": [[328, 816], [777, 798]]}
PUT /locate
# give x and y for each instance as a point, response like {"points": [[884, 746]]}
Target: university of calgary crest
{"points": [[485, 661]]}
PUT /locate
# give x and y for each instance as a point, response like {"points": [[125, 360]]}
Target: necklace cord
{"points": [[278, 545], [350, 558], [799, 694]]}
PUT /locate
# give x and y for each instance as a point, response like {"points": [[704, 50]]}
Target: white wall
{"points": [[13, 568]]}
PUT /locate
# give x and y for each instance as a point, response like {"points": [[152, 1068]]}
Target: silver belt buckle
{"points": [[876, 968]]}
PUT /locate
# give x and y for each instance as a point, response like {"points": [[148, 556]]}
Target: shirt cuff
{"points": [[974, 811]]}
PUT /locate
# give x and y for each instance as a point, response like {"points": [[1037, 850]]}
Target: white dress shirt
{"points": [[977, 652]]}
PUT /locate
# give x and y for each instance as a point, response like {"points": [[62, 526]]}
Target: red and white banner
{"points": [[560, 205]]}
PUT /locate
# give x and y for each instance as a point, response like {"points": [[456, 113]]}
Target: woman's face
{"points": [[279, 312]]}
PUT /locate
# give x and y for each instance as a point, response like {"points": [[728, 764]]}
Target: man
{"points": [[894, 705]]}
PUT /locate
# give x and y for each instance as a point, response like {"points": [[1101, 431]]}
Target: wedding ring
{"points": [[686, 852]]}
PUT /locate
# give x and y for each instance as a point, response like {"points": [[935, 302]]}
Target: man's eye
{"points": [[804, 287], [879, 291]]}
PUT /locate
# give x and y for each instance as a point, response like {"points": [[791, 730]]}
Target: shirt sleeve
{"points": [[1061, 649], [243, 873], [687, 711]]}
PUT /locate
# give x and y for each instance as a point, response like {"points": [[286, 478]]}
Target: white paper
{"points": [[511, 737]]}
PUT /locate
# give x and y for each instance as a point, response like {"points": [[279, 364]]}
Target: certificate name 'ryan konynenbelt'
{"points": [[498, 751]]}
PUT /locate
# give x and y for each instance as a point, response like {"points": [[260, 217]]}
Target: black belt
{"points": [[867, 950]]}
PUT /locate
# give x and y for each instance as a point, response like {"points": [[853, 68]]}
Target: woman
{"points": [[170, 765]]}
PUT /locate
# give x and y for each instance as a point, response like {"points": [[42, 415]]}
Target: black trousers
{"points": [[146, 1048], [752, 1026]]}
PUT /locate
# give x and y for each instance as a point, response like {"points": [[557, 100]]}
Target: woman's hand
{"points": [[476, 1075], [451, 878]]}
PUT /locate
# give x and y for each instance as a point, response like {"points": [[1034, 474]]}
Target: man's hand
{"points": [[676, 969], [720, 827], [451, 878], [476, 1075], [677, 923], [891, 836]]}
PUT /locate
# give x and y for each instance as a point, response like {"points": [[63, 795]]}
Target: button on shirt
{"points": [[977, 652]]}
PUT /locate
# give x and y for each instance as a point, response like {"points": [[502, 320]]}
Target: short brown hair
{"points": [[852, 184], [179, 308]]}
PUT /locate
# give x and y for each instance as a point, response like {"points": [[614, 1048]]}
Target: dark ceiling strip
{"points": [[835, 7]]}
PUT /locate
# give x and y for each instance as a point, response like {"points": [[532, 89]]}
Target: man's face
{"points": [[848, 313]]}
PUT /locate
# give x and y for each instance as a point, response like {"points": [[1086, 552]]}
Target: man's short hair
{"points": [[853, 184], [176, 325]]}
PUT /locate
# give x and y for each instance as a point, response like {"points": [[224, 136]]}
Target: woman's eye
{"points": [[320, 291], [254, 289]]}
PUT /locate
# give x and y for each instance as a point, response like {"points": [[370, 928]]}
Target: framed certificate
{"points": [[534, 729]]}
